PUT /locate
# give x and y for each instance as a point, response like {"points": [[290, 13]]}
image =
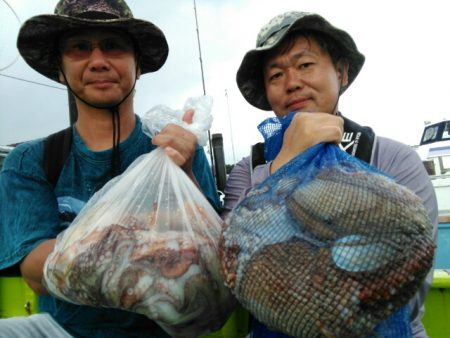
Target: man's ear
{"points": [[138, 73], [61, 77], [342, 68]]}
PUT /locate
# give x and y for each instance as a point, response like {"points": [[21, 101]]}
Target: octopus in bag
{"points": [[171, 276]]}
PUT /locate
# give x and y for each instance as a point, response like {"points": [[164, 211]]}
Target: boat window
{"points": [[430, 134], [436, 132], [446, 133]]}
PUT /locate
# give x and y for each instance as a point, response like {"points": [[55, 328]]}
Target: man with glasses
{"points": [[98, 50]]}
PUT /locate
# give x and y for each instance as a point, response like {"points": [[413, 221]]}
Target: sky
{"points": [[403, 84]]}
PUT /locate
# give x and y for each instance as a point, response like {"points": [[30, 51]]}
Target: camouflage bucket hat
{"points": [[249, 76], [38, 36]]}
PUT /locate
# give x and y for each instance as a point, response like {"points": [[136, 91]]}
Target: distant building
{"points": [[4, 151]]}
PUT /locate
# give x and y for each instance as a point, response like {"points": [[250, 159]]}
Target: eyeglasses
{"points": [[112, 47]]}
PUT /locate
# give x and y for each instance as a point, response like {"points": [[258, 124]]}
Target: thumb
{"points": [[188, 116]]}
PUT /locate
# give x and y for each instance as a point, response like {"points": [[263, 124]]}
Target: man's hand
{"points": [[305, 131], [179, 143]]}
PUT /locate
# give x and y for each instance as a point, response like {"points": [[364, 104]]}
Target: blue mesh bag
{"points": [[326, 246], [395, 326]]}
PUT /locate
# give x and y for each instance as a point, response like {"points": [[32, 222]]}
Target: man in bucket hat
{"points": [[303, 64], [98, 50]]}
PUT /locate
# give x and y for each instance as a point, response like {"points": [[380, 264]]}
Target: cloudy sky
{"points": [[404, 82]]}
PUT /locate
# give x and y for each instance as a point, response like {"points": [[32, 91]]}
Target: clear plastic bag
{"points": [[147, 242], [160, 116]]}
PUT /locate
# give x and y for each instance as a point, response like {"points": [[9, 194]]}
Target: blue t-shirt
{"points": [[31, 211]]}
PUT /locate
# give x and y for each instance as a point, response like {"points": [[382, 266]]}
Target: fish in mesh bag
{"points": [[326, 246]]}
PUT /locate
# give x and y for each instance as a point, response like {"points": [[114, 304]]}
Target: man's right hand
{"points": [[32, 266], [305, 131]]}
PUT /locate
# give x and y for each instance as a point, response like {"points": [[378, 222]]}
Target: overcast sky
{"points": [[404, 82]]}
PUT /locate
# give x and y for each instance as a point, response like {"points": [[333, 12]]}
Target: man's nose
{"points": [[97, 58], [293, 80]]}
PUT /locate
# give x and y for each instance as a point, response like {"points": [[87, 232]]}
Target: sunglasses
{"points": [[81, 48]]}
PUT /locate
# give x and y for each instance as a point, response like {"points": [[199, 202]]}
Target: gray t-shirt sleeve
{"points": [[403, 164], [240, 181]]}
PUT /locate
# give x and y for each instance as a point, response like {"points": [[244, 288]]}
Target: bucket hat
{"points": [[249, 76], [38, 36]]}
